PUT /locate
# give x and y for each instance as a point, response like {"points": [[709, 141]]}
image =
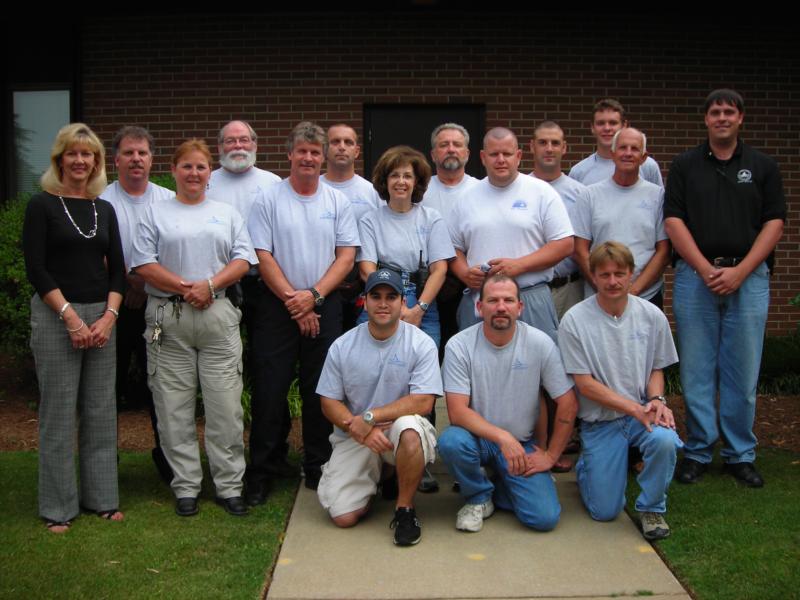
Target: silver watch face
{"points": [[369, 418]]}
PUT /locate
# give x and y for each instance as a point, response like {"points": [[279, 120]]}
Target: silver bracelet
{"points": [[211, 287], [63, 310], [113, 311], [82, 325]]}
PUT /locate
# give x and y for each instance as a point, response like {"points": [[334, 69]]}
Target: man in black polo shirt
{"points": [[724, 212]]}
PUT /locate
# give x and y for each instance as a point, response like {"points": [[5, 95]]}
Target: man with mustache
{"points": [[616, 345], [493, 373], [130, 196]]}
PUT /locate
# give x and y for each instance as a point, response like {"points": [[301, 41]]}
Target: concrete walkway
{"points": [[579, 559]]}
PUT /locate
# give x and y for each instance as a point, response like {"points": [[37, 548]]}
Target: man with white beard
{"points": [[238, 181]]}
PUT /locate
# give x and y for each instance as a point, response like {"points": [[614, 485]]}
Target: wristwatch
{"points": [[424, 306], [369, 418], [663, 399], [318, 298]]}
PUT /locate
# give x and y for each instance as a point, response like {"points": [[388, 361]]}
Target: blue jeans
{"points": [[720, 339], [532, 499], [603, 466], [430, 318]]}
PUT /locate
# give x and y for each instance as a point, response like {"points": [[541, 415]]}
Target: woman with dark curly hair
{"points": [[407, 237], [73, 258]]}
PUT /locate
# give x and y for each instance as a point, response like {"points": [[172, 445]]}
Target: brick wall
{"points": [[185, 76]]}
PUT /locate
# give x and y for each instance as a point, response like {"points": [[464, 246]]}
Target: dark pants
{"points": [[276, 351]]}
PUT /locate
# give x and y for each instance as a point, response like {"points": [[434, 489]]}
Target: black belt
{"points": [[558, 282], [726, 261]]}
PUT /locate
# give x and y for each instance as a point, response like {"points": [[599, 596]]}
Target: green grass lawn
{"points": [[730, 542], [152, 554]]}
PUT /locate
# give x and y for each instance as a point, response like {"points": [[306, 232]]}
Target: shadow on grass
{"points": [[152, 554], [730, 542]]}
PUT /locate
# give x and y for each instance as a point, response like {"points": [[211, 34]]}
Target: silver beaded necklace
{"points": [[92, 231]]}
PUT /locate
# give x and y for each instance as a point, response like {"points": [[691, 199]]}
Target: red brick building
{"points": [[185, 75]]}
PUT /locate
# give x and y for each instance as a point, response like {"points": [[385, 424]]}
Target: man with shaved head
{"points": [[511, 224], [625, 208]]}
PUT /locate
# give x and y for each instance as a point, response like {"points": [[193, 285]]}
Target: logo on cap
{"points": [[384, 275]]}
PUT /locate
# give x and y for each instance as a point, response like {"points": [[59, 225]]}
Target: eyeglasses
{"points": [[243, 140]]}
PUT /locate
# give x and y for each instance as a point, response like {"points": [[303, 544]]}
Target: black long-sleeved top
{"points": [[57, 256]]}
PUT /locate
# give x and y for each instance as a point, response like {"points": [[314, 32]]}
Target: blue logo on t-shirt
{"points": [[517, 365], [638, 336], [215, 221], [327, 215], [520, 205], [396, 361], [424, 229]]}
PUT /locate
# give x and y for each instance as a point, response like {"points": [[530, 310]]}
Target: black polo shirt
{"points": [[724, 203]]}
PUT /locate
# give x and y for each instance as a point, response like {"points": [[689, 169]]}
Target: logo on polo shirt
{"points": [[518, 365], [328, 215], [744, 176], [520, 205], [396, 361]]}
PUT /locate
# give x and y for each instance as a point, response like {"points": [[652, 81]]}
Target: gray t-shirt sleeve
{"points": [[331, 383], [145, 242], [665, 352], [572, 352], [242, 247], [456, 369], [554, 377], [346, 228], [260, 223], [439, 245], [426, 377], [366, 231], [582, 216]]}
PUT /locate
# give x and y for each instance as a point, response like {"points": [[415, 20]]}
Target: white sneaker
{"points": [[471, 516]]}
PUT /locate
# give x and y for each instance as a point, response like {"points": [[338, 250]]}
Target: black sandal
{"points": [[107, 514], [50, 524]]}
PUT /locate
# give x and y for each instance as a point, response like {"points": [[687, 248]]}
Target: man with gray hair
{"points": [[626, 209], [450, 153], [513, 225], [305, 238], [238, 181], [130, 195]]}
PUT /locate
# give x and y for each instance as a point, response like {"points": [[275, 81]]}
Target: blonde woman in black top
{"points": [[73, 258]]}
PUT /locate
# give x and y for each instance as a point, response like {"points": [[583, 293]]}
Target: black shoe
{"points": [[689, 471], [256, 493], [312, 479], [389, 487], [746, 473], [283, 470], [406, 527], [428, 484], [162, 466], [233, 506], [186, 507]]}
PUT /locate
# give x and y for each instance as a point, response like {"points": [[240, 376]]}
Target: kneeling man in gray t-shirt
{"points": [[377, 380], [493, 372], [616, 345]]}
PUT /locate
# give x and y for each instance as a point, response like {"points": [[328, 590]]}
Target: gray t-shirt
{"points": [[633, 215], [397, 239], [503, 382], [620, 353], [594, 169], [130, 210], [367, 373], [302, 232], [363, 197], [569, 190], [194, 241], [509, 222], [444, 197], [240, 190]]}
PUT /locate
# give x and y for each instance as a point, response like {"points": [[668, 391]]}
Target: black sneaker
{"points": [[406, 527]]}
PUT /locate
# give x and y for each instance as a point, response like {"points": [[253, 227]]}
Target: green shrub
{"points": [[15, 290]]}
